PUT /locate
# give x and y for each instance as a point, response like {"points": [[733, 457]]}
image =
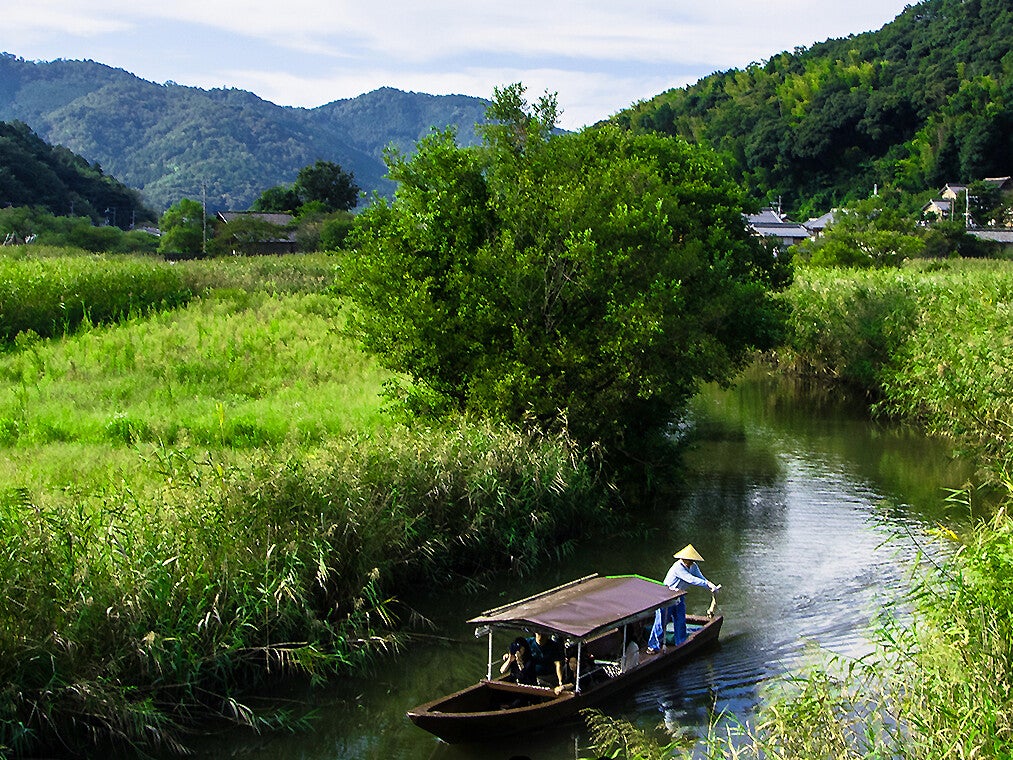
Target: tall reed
{"points": [[124, 603], [932, 345]]}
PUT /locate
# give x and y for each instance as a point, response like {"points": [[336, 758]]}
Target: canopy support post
{"points": [[488, 676], [580, 659]]}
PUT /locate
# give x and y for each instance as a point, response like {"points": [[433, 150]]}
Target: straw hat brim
{"points": [[688, 553]]}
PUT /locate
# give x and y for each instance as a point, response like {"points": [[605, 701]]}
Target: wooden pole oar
{"points": [[714, 602]]}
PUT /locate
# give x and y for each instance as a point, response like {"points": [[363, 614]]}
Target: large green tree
{"points": [[596, 277]]}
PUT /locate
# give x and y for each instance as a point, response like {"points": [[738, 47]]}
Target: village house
{"points": [[770, 223], [818, 224], [952, 192], [940, 208], [255, 232]]}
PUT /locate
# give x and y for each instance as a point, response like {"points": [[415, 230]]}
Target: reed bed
{"points": [[931, 344], [129, 611]]}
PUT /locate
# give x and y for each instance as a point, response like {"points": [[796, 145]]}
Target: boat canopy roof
{"points": [[583, 607]]}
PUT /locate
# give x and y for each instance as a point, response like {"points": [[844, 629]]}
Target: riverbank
{"points": [[929, 344], [199, 499]]}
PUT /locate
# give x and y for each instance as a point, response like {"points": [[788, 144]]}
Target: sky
{"points": [[598, 56]]}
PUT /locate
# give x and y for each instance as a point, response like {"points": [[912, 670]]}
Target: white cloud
{"points": [[598, 55]]}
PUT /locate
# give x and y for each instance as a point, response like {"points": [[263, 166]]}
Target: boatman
{"points": [[681, 575]]}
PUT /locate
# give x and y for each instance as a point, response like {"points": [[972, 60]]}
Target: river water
{"points": [[806, 511]]}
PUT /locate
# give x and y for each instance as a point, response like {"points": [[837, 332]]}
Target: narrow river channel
{"points": [[806, 511]]}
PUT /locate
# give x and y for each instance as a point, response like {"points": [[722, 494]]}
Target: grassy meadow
{"points": [[199, 495]]}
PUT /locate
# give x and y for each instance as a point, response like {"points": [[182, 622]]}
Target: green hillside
{"points": [[927, 99], [34, 173], [171, 141]]}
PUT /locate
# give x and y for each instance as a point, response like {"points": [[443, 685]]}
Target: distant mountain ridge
{"points": [[170, 141]]}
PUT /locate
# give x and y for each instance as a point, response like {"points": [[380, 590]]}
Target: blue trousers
{"points": [[676, 613]]}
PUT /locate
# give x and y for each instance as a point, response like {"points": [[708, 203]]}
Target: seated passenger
{"points": [[589, 672], [547, 652], [519, 664], [630, 658]]}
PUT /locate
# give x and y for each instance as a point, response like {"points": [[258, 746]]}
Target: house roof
{"points": [[821, 222], [583, 607], [992, 235], [939, 204], [951, 191], [766, 216], [770, 223], [279, 219]]}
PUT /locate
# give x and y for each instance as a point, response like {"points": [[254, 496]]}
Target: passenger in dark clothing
{"points": [[519, 664], [570, 670], [548, 656]]}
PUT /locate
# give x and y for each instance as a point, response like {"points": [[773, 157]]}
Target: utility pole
{"points": [[204, 219]]}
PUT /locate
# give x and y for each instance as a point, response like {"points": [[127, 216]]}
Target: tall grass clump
{"points": [[302, 273], [129, 613], [954, 373], [845, 325], [932, 344], [53, 295]]}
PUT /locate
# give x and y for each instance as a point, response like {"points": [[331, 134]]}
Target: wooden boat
{"points": [[600, 615]]}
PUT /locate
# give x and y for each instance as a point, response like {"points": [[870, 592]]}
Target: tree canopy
{"points": [[34, 173], [323, 185], [597, 277]]}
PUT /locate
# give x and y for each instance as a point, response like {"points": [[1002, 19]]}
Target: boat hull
{"points": [[495, 709]]}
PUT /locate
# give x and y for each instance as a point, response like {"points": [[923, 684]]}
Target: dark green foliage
{"points": [[334, 232], [946, 239], [869, 233], [173, 142], [328, 184], [280, 199], [244, 234], [926, 100], [596, 277], [322, 187], [21, 223], [33, 173]]}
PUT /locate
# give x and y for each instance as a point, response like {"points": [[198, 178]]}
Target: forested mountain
{"points": [[171, 141], [34, 173], [927, 99]]}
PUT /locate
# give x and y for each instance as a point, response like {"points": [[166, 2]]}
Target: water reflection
{"points": [[805, 510]]}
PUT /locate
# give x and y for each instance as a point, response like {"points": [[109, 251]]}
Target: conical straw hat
{"points": [[689, 553]]}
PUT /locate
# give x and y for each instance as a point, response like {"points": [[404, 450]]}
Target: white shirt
{"points": [[680, 577]]}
